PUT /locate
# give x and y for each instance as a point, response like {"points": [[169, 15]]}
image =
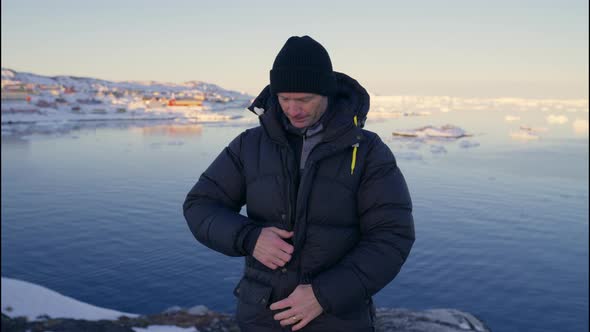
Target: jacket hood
{"points": [[350, 100]]}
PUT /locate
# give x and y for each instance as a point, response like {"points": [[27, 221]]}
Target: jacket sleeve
{"points": [[387, 235], [212, 207]]}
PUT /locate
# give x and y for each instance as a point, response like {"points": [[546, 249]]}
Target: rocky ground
{"points": [[398, 320]]}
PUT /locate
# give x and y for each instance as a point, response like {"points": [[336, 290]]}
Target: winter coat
{"points": [[351, 214]]}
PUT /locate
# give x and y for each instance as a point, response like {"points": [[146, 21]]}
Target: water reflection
{"points": [[173, 130], [105, 210], [15, 143]]}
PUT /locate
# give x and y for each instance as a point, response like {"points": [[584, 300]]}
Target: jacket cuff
{"points": [[249, 236], [338, 290]]}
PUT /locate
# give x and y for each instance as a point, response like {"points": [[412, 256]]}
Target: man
{"points": [[329, 213]]}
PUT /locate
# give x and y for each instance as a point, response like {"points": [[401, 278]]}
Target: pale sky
{"points": [[467, 48]]}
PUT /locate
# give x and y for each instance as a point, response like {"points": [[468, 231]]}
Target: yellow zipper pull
{"points": [[353, 163]]}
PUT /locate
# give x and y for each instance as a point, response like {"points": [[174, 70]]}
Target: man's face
{"points": [[302, 109]]}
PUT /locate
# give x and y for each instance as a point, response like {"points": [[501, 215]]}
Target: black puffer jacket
{"points": [[351, 214]]}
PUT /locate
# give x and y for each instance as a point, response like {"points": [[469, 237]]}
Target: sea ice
{"points": [[408, 155], [444, 132], [437, 149], [524, 135], [556, 119], [466, 144]]}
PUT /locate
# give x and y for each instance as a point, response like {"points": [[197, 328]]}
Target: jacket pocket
{"points": [[253, 292], [252, 311]]}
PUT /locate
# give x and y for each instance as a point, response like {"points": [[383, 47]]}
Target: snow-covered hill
{"points": [[88, 84], [30, 100]]}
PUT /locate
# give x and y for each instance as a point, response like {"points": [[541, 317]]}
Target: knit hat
{"points": [[302, 65]]}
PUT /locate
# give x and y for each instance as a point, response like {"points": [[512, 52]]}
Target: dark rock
{"points": [[399, 320], [435, 320], [20, 324], [13, 324]]}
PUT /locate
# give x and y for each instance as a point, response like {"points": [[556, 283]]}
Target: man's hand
{"points": [[303, 308], [270, 248]]}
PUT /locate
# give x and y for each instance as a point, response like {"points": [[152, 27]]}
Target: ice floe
{"points": [[534, 129], [408, 155], [444, 132], [524, 135], [385, 114], [556, 119], [437, 149], [466, 144], [432, 138], [527, 133]]}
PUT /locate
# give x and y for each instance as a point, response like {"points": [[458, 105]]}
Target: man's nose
{"points": [[293, 108]]}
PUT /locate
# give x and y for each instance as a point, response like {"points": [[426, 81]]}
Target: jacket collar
{"points": [[350, 100]]}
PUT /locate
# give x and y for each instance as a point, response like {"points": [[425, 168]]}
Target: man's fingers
{"points": [[282, 245], [281, 232], [285, 247], [286, 314], [270, 265], [282, 256], [277, 261], [289, 321], [280, 304], [301, 324]]}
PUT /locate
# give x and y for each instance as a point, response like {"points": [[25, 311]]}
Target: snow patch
{"points": [[198, 310], [21, 298]]}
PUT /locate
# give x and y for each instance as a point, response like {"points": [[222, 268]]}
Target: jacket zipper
{"points": [[294, 202], [289, 216]]}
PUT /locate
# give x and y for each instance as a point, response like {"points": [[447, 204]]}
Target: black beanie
{"points": [[303, 65]]}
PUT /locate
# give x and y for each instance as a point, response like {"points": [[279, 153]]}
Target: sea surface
{"points": [[95, 213]]}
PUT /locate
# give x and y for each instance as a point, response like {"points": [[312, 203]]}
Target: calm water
{"points": [[502, 227]]}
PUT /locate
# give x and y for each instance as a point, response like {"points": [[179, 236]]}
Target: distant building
{"points": [[15, 87], [17, 92], [16, 96], [185, 102], [53, 89], [155, 102], [217, 98]]}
